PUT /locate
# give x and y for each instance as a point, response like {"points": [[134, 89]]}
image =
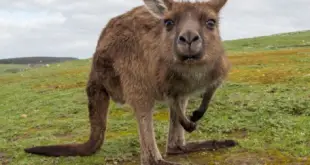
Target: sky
{"points": [[70, 28]]}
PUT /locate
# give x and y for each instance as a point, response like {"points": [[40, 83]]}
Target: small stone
{"points": [[24, 116]]}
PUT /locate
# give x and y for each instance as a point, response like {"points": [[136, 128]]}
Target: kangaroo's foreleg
{"points": [[176, 143], [190, 124], [177, 110], [204, 105]]}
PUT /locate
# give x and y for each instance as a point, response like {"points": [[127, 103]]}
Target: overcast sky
{"points": [[71, 27]]}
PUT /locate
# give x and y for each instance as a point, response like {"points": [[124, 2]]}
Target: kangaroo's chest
{"points": [[186, 83]]}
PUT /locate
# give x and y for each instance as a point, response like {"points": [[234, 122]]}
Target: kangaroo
{"points": [[160, 51]]}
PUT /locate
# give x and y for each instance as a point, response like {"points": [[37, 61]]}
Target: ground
{"points": [[264, 105]]}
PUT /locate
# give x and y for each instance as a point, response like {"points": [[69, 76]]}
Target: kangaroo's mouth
{"points": [[195, 57]]}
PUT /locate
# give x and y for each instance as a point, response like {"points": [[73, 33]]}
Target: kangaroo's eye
{"points": [[168, 23], [211, 23]]}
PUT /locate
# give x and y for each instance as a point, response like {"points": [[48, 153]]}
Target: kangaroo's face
{"points": [[190, 30]]}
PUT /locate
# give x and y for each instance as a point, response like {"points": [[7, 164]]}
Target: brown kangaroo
{"points": [[161, 51]]}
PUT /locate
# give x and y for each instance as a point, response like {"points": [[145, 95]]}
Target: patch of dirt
{"points": [[2, 155], [4, 159]]}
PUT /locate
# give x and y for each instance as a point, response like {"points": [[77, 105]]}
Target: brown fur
{"points": [[135, 62]]}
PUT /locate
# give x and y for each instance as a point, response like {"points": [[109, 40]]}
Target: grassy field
{"points": [[264, 105]]}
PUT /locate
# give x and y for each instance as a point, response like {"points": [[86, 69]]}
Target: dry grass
{"points": [[270, 67]]}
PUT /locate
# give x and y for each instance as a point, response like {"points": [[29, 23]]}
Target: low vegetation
{"points": [[264, 105]]}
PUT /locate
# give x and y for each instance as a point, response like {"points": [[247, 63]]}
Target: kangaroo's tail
{"points": [[98, 103]]}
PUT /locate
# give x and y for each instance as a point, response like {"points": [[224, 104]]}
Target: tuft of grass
{"points": [[264, 105]]}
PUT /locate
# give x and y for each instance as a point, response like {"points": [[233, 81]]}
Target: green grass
{"points": [[264, 105]]}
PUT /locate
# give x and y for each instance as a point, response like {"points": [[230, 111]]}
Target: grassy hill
{"points": [[15, 65], [291, 40], [264, 105]]}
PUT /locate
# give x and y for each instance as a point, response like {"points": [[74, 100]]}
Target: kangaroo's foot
{"points": [[201, 146]]}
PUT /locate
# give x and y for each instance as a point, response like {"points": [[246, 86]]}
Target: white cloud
{"points": [[71, 27], [26, 20], [264, 17]]}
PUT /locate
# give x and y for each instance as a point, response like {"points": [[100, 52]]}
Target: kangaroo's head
{"points": [[190, 30]]}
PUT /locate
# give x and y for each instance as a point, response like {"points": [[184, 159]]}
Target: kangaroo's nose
{"points": [[189, 37]]}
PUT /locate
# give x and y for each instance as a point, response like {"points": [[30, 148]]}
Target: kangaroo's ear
{"points": [[158, 7], [217, 4]]}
